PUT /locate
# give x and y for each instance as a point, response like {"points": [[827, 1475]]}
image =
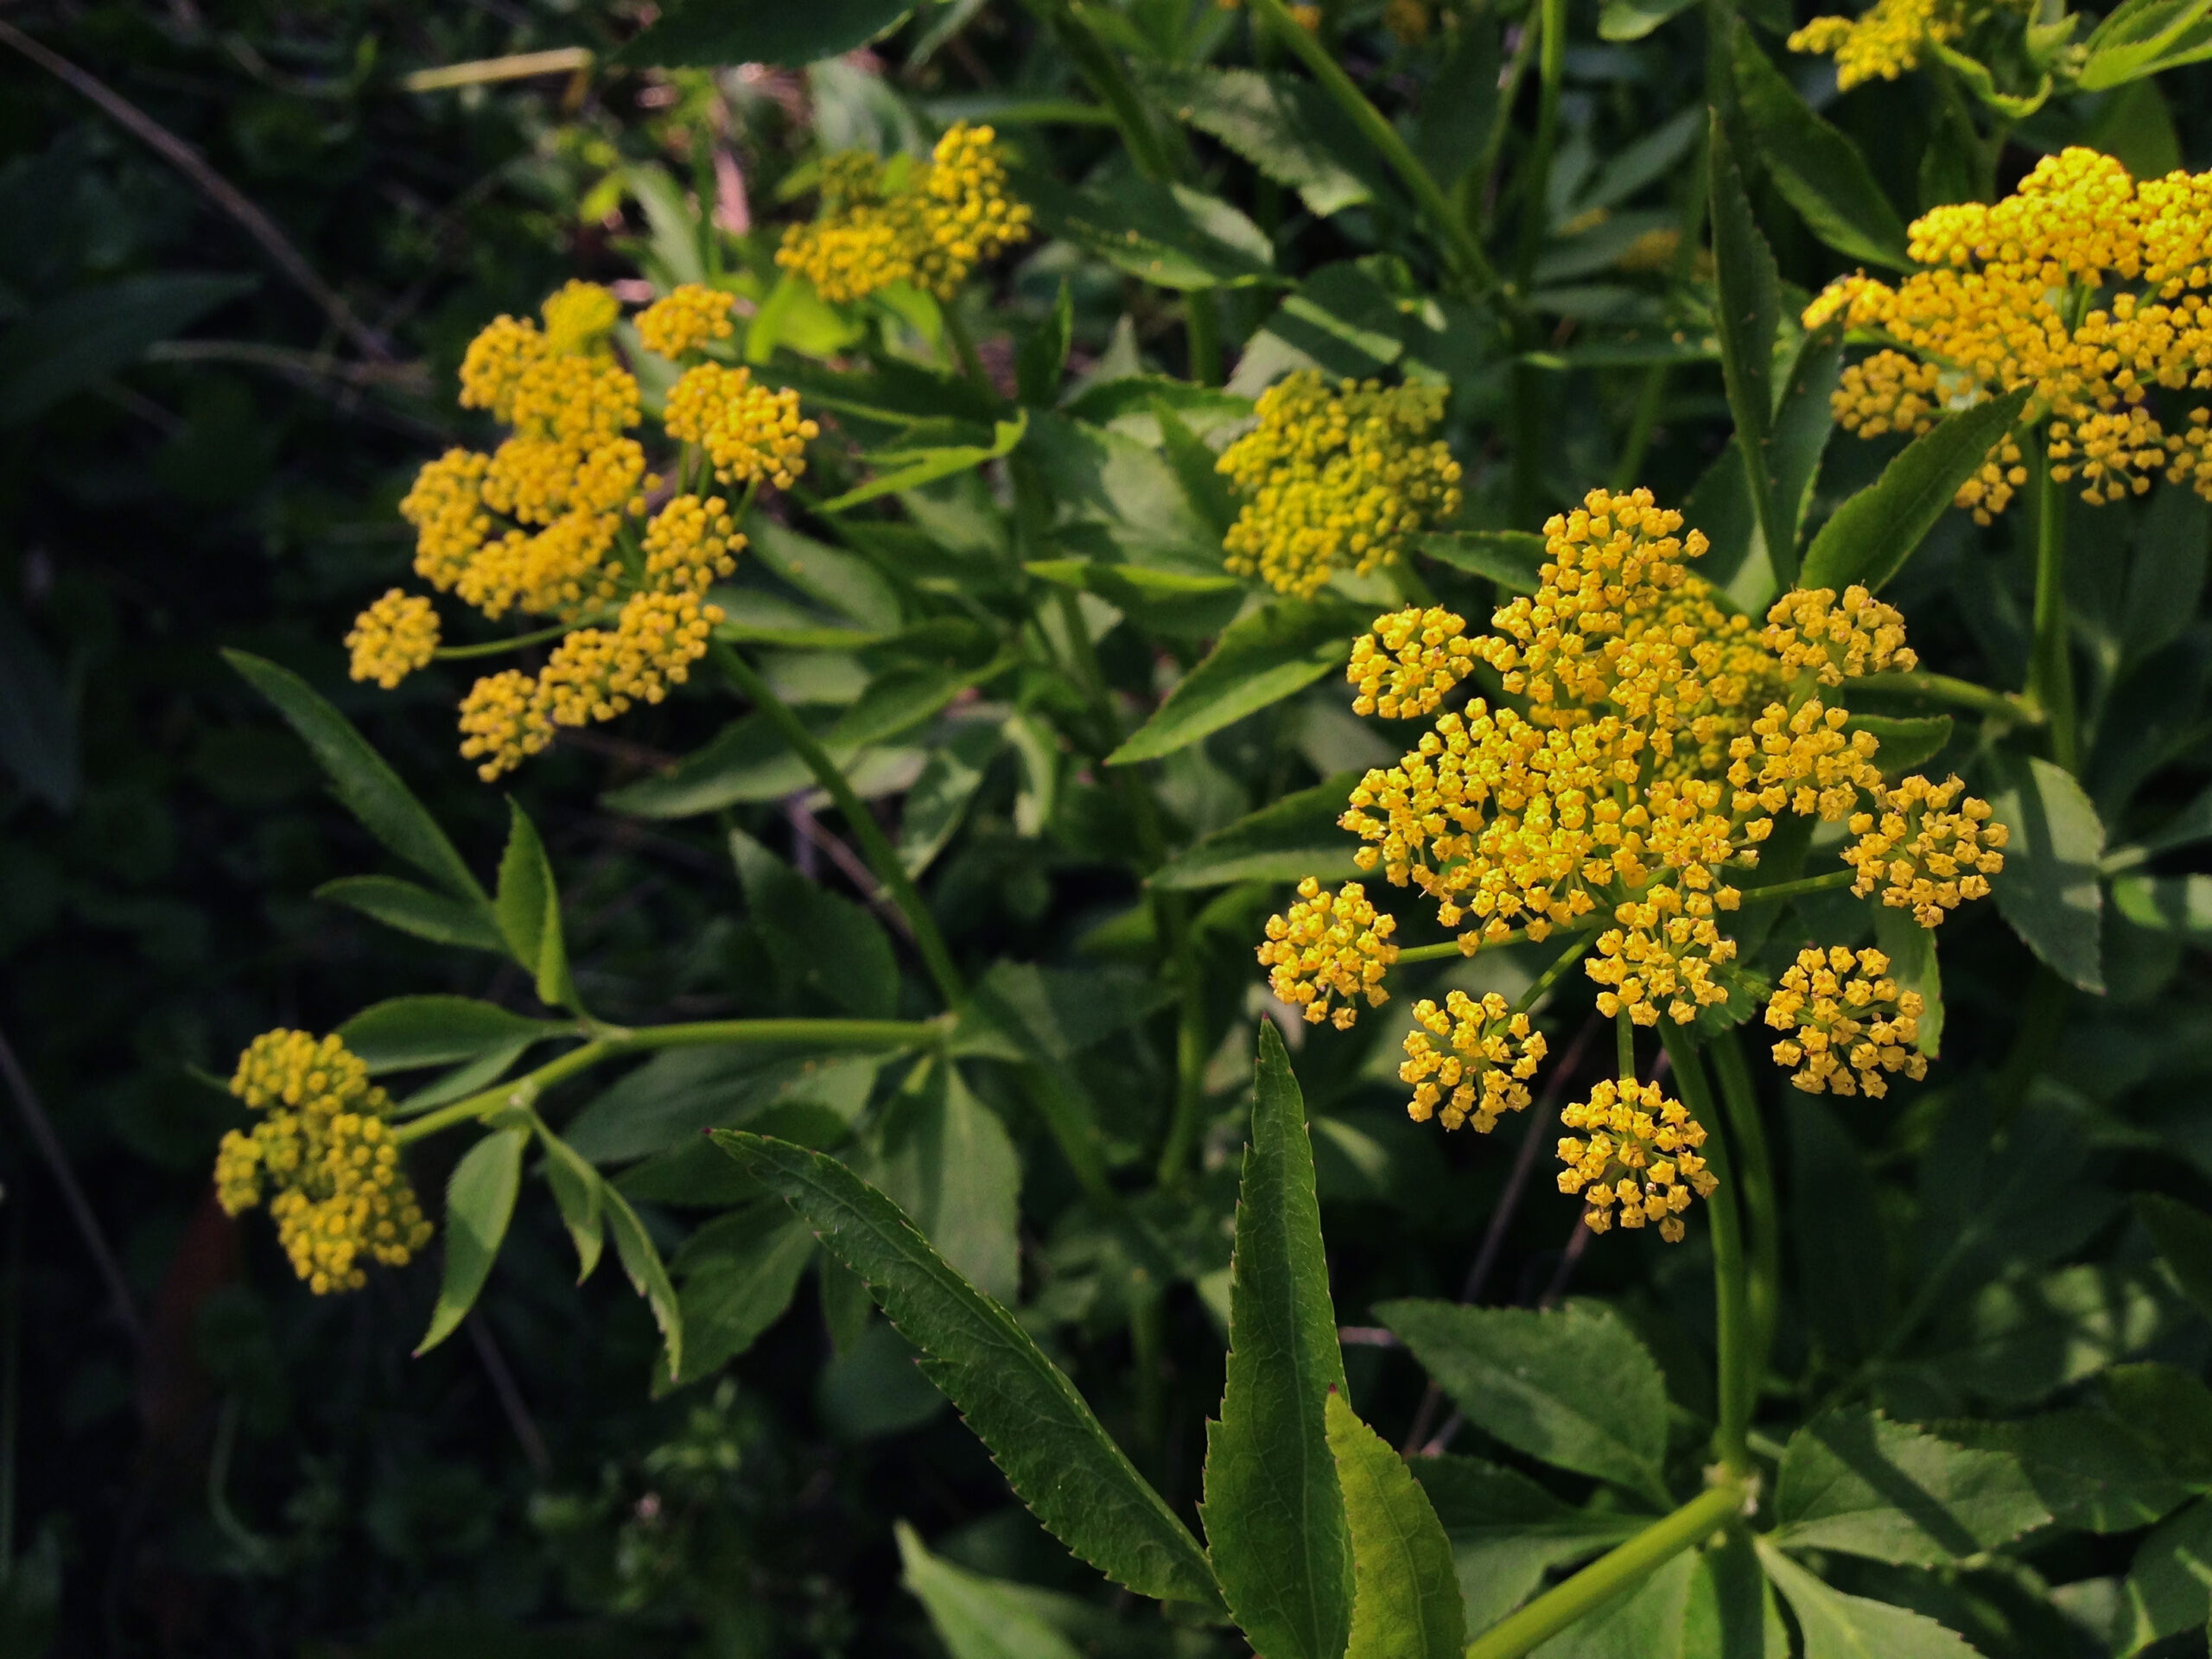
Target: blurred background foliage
{"points": [[205, 426]]}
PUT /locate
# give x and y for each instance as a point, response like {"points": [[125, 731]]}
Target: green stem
{"points": [[1550, 976], [1960, 694], [1624, 1046], [1651, 397], [875, 847], [1461, 251], [2050, 670], [1613, 1573], [1537, 171], [1202, 331], [610, 1042], [963, 348], [495, 647], [1732, 1362], [1798, 889], [1762, 1214]]}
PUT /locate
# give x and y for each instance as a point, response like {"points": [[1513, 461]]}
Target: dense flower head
{"points": [[1335, 476], [1921, 852], [1469, 1061], [2088, 287], [1662, 953], [930, 224], [1327, 947], [394, 637], [579, 316], [684, 319], [1414, 656], [1636, 1158], [1890, 37], [1846, 1023], [564, 520], [1837, 638], [750, 432], [323, 1153]]}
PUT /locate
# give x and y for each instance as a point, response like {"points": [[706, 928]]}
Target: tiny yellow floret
{"points": [[1469, 1061], [1328, 946], [1636, 1158], [393, 638], [684, 319], [1847, 1023]]}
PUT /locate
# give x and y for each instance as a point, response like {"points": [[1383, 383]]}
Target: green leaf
{"points": [[2146, 37], [948, 1162], [1507, 1532], [1850, 1301], [1197, 467], [2092, 1470], [1869, 537], [1260, 658], [2166, 904], [823, 943], [934, 807], [633, 1246], [1651, 1620], [1854, 1481], [1907, 742], [1295, 837], [480, 1202], [1406, 1598], [1818, 170], [529, 909], [915, 468], [1511, 558], [675, 1097], [2170, 1409], [978, 1617], [1917, 965], [2170, 1586], [709, 34], [2183, 1237], [1837, 1626], [89, 333], [1056, 1456], [739, 1273], [2021, 1339], [1274, 1514], [38, 725], [365, 784], [1804, 422], [1041, 359], [1631, 20], [407, 908], [576, 1192], [1572, 1386], [1750, 315], [2049, 889], [1129, 492], [406, 1031], [1165, 234], [1284, 125]]}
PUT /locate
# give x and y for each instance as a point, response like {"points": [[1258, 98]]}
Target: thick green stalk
{"points": [[2050, 669], [1762, 1213], [1960, 694], [875, 847], [1733, 1362], [611, 1042], [1624, 1046], [1461, 251], [1613, 1573], [1798, 889]]}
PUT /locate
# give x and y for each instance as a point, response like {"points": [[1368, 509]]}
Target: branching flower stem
{"points": [[2051, 667], [1615, 1573], [1734, 1360], [612, 1042]]}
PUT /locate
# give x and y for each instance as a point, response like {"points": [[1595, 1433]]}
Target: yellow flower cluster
{"points": [[1335, 476], [1328, 945], [1641, 1157], [393, 638], [1653, 741], [324, 1153], [751, 433], [2084, 285], [1481, 1072], [563, 520], [1884, 40], [1923, 855], [1414, 656], [683, 320], [1849, 1023], [930, 225]]}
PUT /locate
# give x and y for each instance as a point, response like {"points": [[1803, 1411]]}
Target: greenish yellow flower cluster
{"points": [[931, 226], [2084, 285], [1653, 741], [1336, 477], [324, 1155], [562, 520]]}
